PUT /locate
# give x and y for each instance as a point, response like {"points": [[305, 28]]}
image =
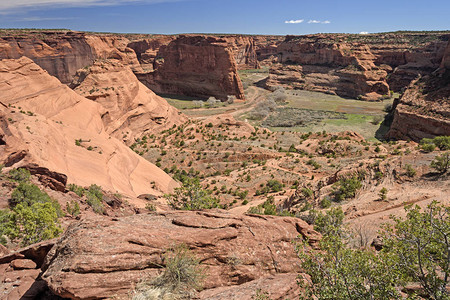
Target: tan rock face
{"points": [[244, 51], [355, 66], [107, 257], [195, 66], [147, 49], [130, 110], [44, 122], [63, 53]]}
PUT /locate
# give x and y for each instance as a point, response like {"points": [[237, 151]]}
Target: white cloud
{"points": [[364, 32], [318, 22], [6, 5], [293, 21], [36, 19]]}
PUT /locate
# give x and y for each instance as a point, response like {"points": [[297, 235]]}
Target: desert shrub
{"points": [[279, 95], [313, 163], [339, 272], [376, 120], [94, 198], [150, 207], [191, 196], [19, 175], [182, 275], [212, 102], [274, 185], [325, 202], [33, 216], [73, 208], [442, 142], [198, 103], [410, 171], [232, 98], [419, 245], [383, 194], [266, 208], [307, 193], [346, 188], [76, 189], [427, 148], [27, 193], [441, 163], [262, 109], [32, 224], [415, 250]]}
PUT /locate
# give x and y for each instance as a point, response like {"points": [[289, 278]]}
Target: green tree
{"points": [[191, 196], [346, 188], [420, 245], [383, 194], [340, 272], [32, 224], [441, 163]]}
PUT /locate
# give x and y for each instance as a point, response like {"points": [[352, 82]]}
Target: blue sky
{"points": [[231, 16]]}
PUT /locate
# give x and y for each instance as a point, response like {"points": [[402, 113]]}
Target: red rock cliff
{"points": [[62, 53], [356, 66], [423, 111], [195, 66]]}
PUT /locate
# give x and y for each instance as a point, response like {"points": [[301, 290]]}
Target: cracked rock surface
{"points": [[100, 258]]}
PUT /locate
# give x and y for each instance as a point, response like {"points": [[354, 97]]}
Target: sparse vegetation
{"points": [[441, 163], [182, 276], [415, 250], [191, 196]]}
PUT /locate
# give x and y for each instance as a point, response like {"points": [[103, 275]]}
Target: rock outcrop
{"points": [[45, 123], [355, 66], [200, 66], [101, 258], [146, 49], [423, 111], [62, 53], [244, 51], [131, 110]]}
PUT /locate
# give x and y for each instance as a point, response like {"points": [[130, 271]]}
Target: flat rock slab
{"points": [[105, 257], [22, 264]]}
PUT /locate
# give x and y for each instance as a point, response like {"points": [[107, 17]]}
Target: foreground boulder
{"points": [[99, 258]]}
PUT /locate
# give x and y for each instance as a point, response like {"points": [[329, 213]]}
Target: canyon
{"points": [[110, 129]]}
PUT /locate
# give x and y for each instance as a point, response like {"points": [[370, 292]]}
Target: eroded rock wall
{"points": [[356, 66], [199, 66], [131, 110], [423, 111]]}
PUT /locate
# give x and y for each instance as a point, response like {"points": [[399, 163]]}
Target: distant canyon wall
{"points": [[356, 66], [365, 67], [423, 111], [199, 66]]}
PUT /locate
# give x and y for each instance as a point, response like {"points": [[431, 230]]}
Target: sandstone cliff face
{"points": [[423, 111], [146, 49], [195, 66], [244, 51], [365, 67], [63, 53], [46, 123], [102, 258], [131, 110]]}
